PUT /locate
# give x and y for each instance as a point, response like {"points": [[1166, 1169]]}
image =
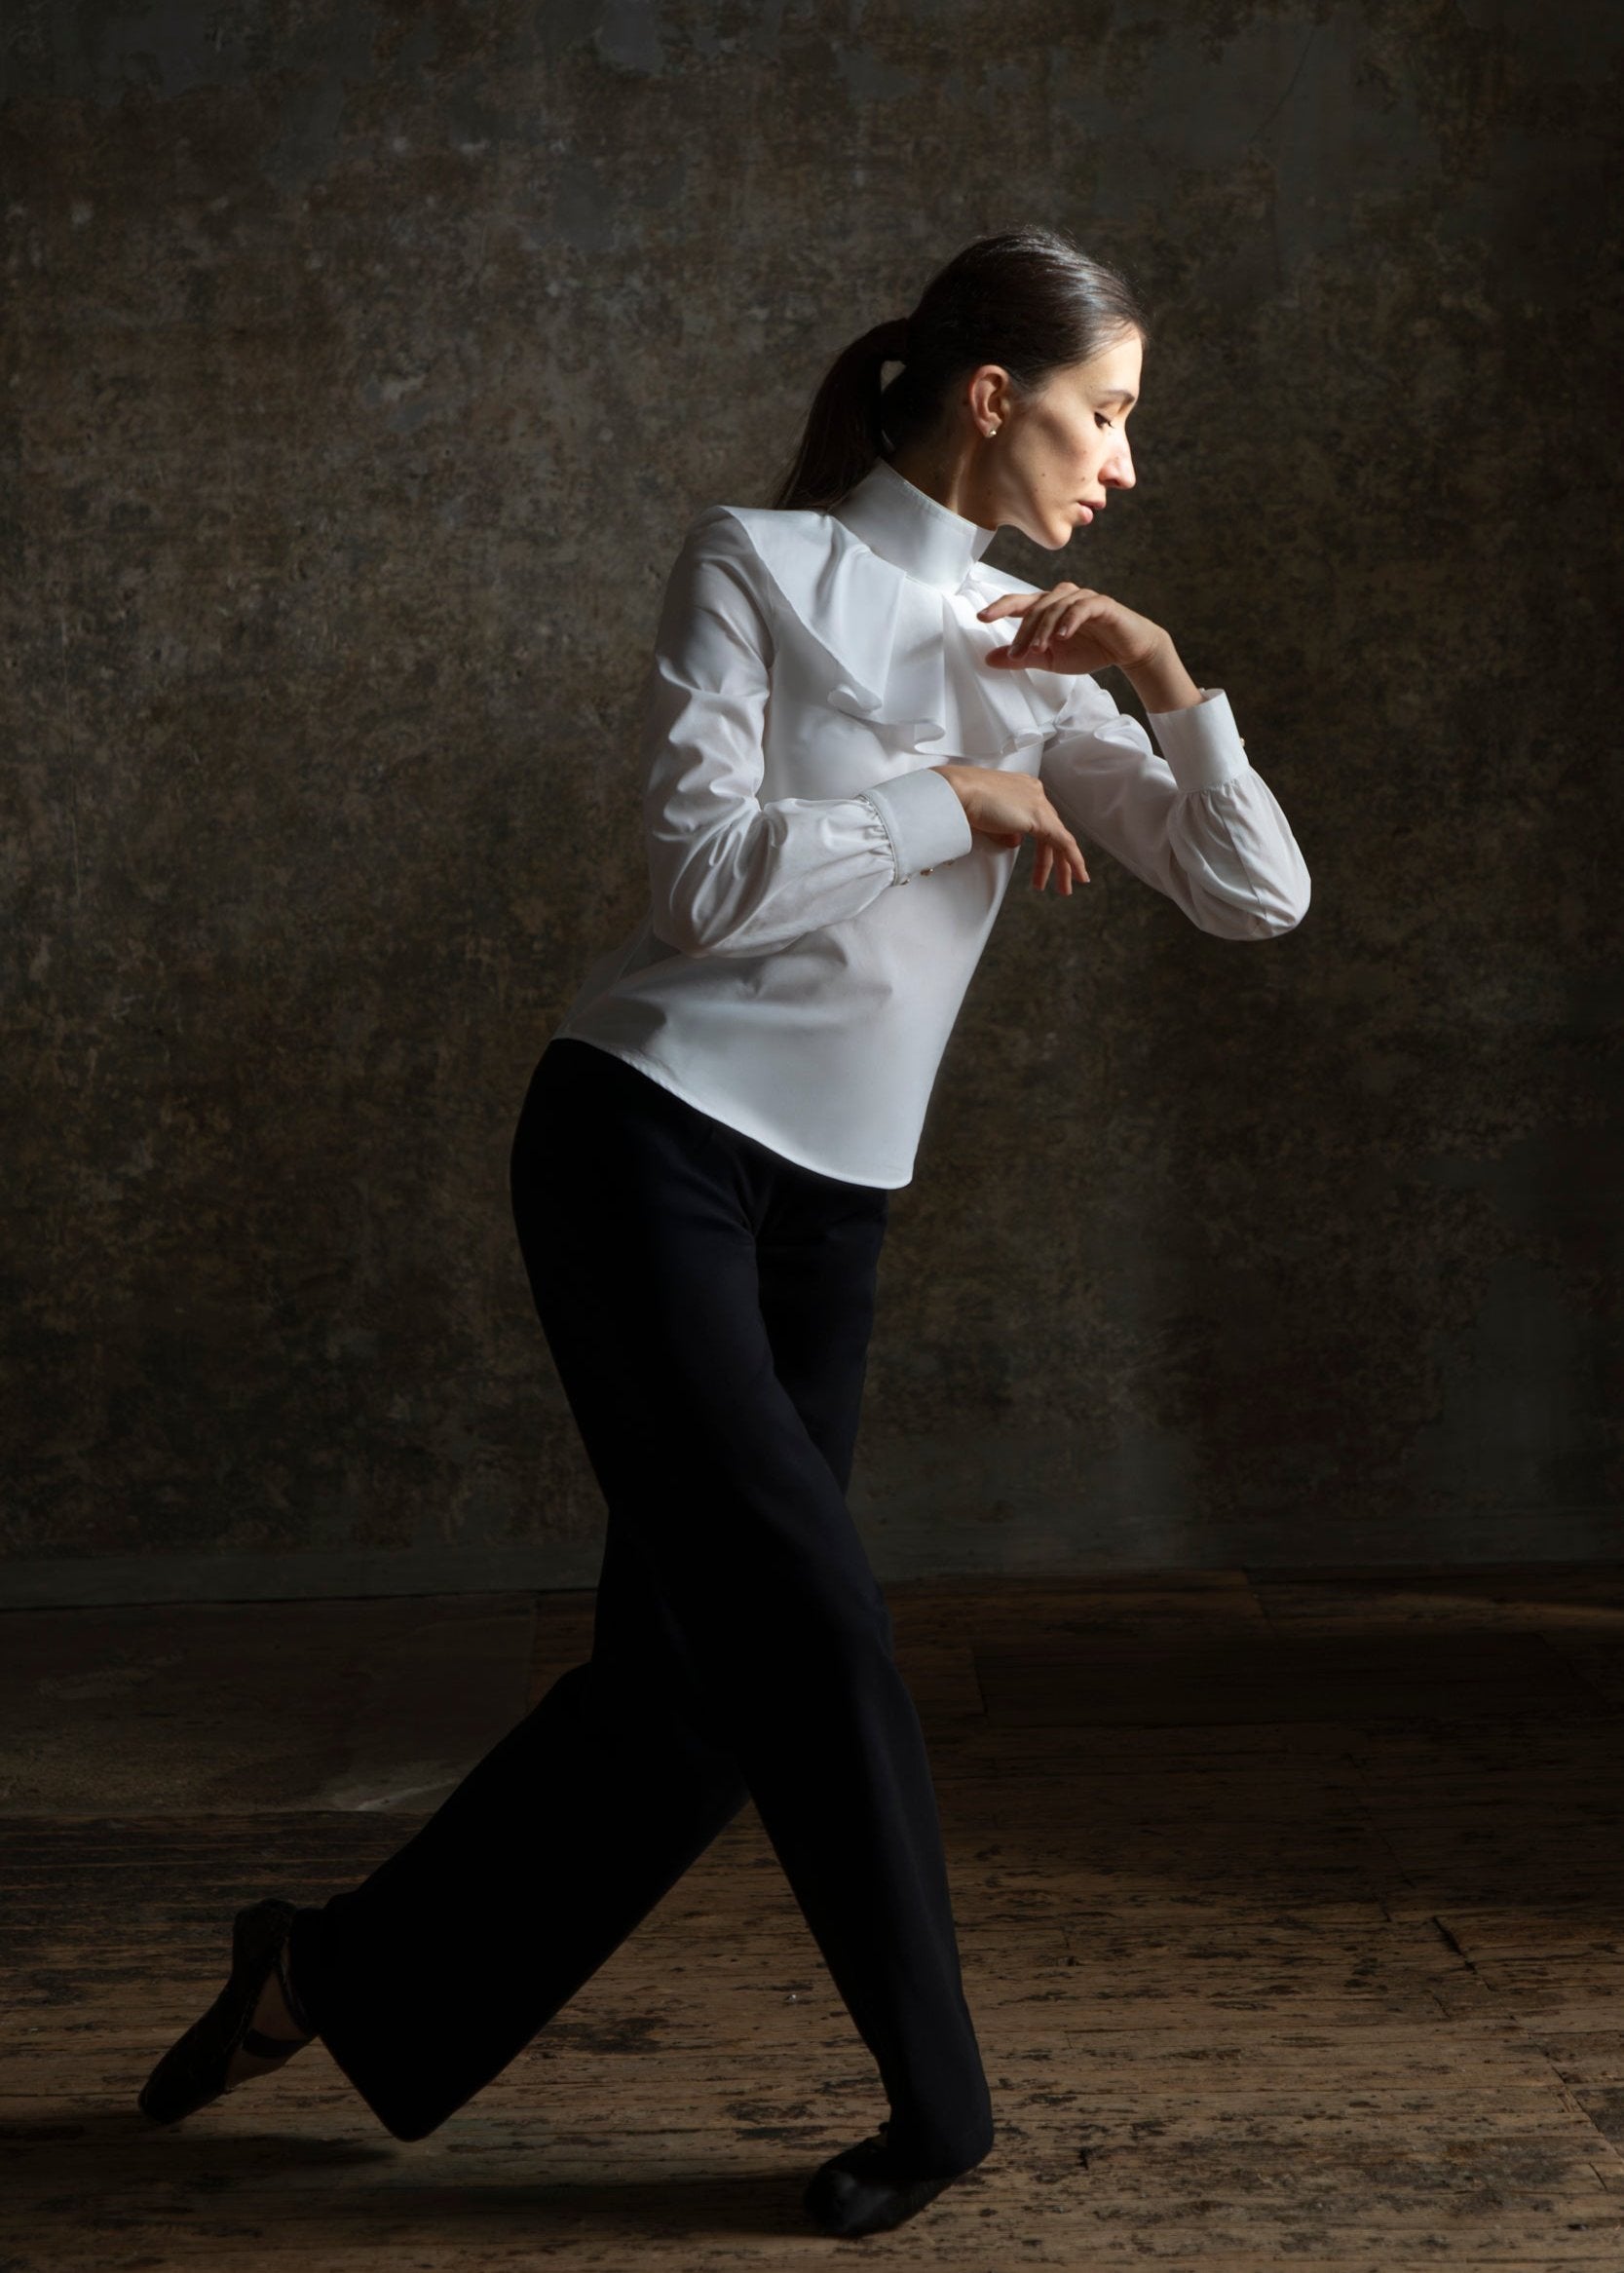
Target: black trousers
{"points": [[708, 1306]]}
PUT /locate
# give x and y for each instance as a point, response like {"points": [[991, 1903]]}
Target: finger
{"points": [[1049, 627], [1042, 626], [1035, 631], [1070, 857], [1008, 603], [1060, 628], [1043, 859]]}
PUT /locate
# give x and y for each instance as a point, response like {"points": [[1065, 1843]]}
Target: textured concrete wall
{"points": [[363, 365]]}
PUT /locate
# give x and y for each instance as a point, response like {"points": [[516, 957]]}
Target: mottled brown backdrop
{"points": [[362, 366]]}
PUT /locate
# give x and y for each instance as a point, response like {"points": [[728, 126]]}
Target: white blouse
{"points": [[810, 670]]}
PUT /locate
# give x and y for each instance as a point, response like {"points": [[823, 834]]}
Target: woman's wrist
{"points": [[1162, 683]]}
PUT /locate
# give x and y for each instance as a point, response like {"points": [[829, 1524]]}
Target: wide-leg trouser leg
{"points": [[707, 1306]]}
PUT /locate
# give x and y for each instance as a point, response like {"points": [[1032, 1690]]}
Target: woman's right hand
{"points": [[1007, 806]]}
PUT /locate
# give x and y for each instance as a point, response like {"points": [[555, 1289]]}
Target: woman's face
{"points": [[1061, 454]]}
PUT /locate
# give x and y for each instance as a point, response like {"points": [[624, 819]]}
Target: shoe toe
{"points": [[193, 2071], [852, 2193]]}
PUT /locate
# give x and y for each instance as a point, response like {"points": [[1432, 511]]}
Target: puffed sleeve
{"points": [[1195, 819], [729, 873]]}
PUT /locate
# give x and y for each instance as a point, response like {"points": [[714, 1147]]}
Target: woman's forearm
{"points": [[1163, 683]]}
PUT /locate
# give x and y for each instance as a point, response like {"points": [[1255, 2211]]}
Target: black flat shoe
{"points": [[193, 2071], [858, 2191]]}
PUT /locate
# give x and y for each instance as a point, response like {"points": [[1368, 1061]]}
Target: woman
{"points": [[700, 1177]]}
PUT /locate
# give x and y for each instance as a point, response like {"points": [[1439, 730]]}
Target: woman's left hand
{"points": [[1071, 628]]}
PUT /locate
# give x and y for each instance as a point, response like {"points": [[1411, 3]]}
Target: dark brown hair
{"points": [[1030, 299]]}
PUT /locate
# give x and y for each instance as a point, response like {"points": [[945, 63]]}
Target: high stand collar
{"points": [[895, 518]]}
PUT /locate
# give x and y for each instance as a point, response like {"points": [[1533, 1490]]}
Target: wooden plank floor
{"points": [[1291, 1906]]}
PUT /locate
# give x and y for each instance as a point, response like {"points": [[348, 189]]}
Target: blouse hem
{"points": [[657, 1070]]}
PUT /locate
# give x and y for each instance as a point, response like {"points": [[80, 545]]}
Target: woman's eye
{"points": [[1100, 419]]}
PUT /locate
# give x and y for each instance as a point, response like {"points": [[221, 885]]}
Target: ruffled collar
{"points": [[895, 518], [901, 650]]}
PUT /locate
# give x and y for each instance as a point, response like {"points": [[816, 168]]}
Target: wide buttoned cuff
{"points": [[923, 819], [1200, 743]]}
